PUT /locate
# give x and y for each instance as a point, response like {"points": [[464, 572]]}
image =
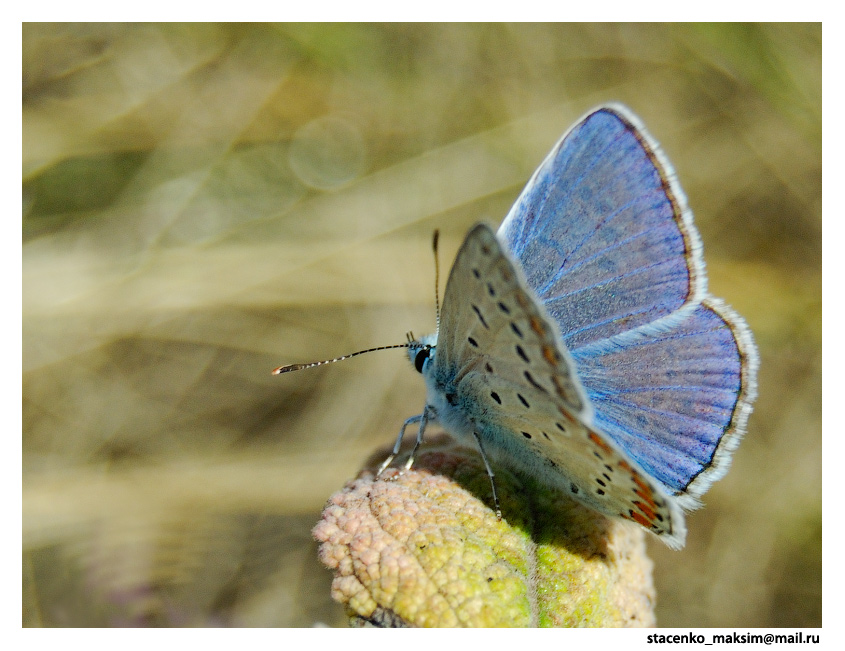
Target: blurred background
{"points": [[202, 203]]}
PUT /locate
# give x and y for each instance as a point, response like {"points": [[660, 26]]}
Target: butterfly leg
{"points": [[398, 444], [489, 474], [423, 417]]}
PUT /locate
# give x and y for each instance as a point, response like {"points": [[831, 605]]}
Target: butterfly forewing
{"points": [[602, 231], [488, 312]]}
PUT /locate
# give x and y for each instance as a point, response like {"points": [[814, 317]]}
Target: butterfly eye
{"points": [[420, 359]]}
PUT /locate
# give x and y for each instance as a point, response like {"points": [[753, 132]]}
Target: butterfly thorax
{"points": [[442, 403]]}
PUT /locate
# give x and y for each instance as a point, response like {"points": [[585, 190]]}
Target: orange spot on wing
{"points": [[647, 511], [567, 416], [550, 355], [646, 495], [538, 327], [636, 517], [563, 393], [595, 438], [645, 490]]}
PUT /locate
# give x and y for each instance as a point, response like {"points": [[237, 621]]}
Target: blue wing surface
{"points": [[675, 396], [603, 234], [608, 245]]}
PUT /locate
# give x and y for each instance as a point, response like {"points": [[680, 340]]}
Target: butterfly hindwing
{"points": [[675, 396]]}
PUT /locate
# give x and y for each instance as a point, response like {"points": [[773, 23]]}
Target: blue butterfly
{"points": [[579, 343]]}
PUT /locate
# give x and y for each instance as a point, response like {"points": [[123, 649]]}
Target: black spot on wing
{"points": [[533, 382], [480, 316]]}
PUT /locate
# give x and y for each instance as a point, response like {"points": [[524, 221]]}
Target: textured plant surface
{"points": [[421, 548]]}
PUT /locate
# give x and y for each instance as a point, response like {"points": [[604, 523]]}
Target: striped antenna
{"points": [[436, 276], [299, 367]]}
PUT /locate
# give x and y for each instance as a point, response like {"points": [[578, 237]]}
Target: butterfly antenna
{"points": [[299, 367], [436, 276]]}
